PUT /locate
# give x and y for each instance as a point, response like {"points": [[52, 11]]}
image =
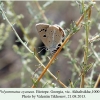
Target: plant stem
{"points": [[86, 41], [97, 82], [42, 12], [82, 80]]}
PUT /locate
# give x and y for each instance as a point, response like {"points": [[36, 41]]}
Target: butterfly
{"points": [[51, 35]]}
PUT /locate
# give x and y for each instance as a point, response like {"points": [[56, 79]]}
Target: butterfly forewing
{"points": [[42, 31]]}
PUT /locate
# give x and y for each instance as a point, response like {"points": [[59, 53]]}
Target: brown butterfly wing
{"points": [[56, 34], [42, 31]]}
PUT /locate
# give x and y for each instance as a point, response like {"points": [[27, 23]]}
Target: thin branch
{"points": [[95, 38], [95, 53], [81, 18], [41, 10], [74, 64], [15, 31], [82, 80], [97, 82]]}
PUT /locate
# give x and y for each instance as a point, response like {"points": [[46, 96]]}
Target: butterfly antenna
{"points": [[41, 50], [41, 47]]}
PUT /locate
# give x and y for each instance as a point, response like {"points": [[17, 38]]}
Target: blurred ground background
{"points": [[12, 71]]}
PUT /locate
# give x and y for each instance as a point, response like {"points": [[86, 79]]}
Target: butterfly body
{"points": [[51, 35]]}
